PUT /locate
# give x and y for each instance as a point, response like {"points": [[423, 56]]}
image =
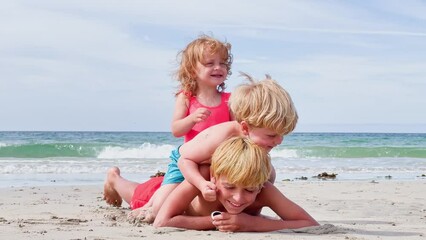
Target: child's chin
{"points": [[234, 211]]}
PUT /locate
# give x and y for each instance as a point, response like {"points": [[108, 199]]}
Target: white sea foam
{"points": [[146, 150], [20, 172], [78, 165], [283, 153]]}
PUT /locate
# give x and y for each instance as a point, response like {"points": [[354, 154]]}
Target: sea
{"points": [[83, 158]]}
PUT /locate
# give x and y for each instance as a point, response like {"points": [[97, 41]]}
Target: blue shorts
{"points": [[173, 174]]}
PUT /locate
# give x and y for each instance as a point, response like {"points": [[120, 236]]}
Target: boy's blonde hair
{"points": [[193, 53], [242, 162], [264, 104]]}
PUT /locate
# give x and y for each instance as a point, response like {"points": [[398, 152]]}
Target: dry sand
{"points": [[387, 209]]}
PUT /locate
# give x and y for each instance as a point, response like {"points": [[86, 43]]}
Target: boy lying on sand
{"points": [[240, 170]]}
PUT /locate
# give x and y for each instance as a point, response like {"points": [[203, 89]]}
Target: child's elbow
{"points": [[158, 223], [314, 223], [310, 222], [177, 133]]}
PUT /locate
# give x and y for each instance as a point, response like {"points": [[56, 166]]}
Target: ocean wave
{"points": [[146, 150], [79, 166], [84, 150], [150, 166], [350, 152], [150, 150]]}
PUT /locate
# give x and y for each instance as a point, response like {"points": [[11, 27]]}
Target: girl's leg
{"points": [[117, 188]]}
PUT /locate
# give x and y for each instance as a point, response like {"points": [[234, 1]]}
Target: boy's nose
{"points": [[279, 140], [238, 197]]}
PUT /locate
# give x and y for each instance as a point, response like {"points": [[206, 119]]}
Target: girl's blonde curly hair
{"points": [[193, 53]]}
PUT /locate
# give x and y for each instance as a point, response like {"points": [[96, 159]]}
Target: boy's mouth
{"points": [[235, 204], [235, 208]]}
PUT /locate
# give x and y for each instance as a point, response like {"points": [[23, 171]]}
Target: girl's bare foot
{"points": [[110, 195]]}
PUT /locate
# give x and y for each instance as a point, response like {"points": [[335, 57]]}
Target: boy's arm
{"points": [[202, 183], [200, 150], [291, 216], [244, 222], [172, 212]]}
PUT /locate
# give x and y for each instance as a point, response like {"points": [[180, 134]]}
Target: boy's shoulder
{"points": [[268, 190], [266, 195]]}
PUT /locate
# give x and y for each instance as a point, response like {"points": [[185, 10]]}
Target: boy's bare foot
{"points": [[141, 215], [110, 195]]}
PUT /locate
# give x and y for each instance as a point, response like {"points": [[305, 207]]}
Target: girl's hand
{"points": [[200, 115]]}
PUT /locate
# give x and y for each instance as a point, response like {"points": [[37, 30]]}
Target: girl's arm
{"points": [[172, 212], [181, 123]]}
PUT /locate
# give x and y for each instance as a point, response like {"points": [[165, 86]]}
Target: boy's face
{"points": [[212, 70], [235, 198], [265, 137]]}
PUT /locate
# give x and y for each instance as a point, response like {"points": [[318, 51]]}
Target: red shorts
{"points": [[144, 192]]}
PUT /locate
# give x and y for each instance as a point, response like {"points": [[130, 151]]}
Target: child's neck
{"points": [[209, 98]]}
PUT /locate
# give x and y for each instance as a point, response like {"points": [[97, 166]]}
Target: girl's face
{"points": [[211, 71], [235, 198]]}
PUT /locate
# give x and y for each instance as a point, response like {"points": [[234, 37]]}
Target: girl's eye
{"points": [[209, 64]]}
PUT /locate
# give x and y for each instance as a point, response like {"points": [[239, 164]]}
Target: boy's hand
{"points": [[208, 190], [226, 222]]}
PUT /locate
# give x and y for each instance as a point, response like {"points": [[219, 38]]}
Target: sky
{"points": [[92, 65]]}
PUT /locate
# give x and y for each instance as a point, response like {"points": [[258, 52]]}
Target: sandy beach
{"points": [[387, 209]]}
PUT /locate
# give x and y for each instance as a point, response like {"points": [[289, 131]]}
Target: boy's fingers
{"points": [[211, 185], [210, 195]]}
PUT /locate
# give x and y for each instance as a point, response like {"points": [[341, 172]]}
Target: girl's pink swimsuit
{"points": [[219, 114]]}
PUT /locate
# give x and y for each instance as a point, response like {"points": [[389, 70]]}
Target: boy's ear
{"points": [[245, 128], [260, 188]]}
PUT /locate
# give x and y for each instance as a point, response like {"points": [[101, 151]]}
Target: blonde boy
{"points": [[240, 171]]}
